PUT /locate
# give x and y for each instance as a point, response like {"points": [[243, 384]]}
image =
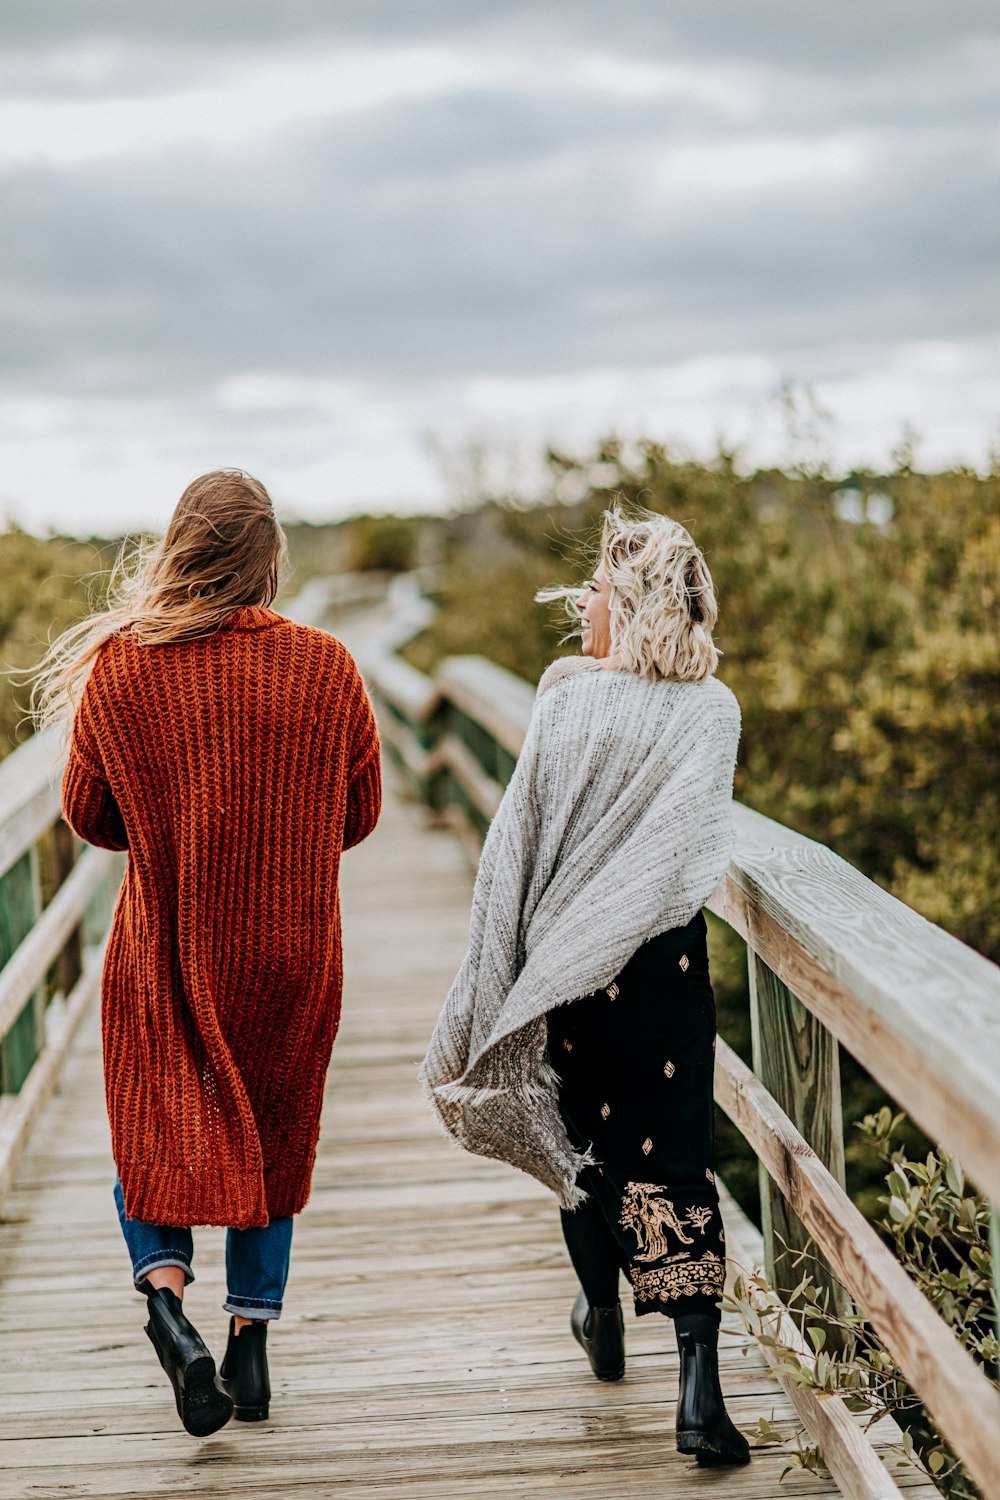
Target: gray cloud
{"points": [[813, 189], [470, 233], [832, 38]]}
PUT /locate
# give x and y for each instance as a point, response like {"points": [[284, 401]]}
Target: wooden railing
{"points": [[51, 952], [832, 959]]}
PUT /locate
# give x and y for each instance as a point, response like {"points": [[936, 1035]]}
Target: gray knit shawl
{"points": [[615, 826]]}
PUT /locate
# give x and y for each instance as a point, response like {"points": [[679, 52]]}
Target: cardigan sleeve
{"points": [[89, 806], [364, 778], [88, 803]]}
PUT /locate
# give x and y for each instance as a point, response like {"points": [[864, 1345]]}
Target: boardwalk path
{"points": [[424, 1352]]}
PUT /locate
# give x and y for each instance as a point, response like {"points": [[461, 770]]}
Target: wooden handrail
{"points": [[29, 795], [965, 1404], [25, 970], [917, 1008]]}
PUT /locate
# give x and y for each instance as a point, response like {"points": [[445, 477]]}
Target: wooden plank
{"points": [[30, 791], [406, 689], [20, 902], [26, 968], [491, 696], [452, 756], [424, 1349], [22, 1109], [963, 1402], [947, 1076]]}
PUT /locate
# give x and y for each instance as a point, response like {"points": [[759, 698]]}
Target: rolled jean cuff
{"points": [[259, 1309], [158, 1258]]}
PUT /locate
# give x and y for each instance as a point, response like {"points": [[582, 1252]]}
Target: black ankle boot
{"points": [[703, 1424], [601, 1333], [244, 1371], [201, 1406]]}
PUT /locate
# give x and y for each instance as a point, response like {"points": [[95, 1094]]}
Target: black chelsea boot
{"points": [[182, 1352], [600, 1331], [244, 1371], [703, 1424]]}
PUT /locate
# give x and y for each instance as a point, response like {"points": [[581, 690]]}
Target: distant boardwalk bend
{"points": [[425, 1350]]}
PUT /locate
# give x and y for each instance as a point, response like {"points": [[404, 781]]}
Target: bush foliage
{"points": [[939, 1228], [46, 583]]}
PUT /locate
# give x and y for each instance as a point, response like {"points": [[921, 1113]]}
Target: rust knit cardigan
{"points": [[234, 768]]}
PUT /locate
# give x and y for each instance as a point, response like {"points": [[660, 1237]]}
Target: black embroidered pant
{"points": [[636, 1064]]}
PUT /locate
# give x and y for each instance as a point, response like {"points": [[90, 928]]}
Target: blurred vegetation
{"points": [[939, 1230], [50, 582], [381, 544], [46, 584], [859, 625]]}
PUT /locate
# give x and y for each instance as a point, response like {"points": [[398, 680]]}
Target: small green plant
{"points": [[940, 1231]]}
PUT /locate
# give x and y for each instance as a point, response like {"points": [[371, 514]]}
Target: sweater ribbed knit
{"points": [[234, 768]]}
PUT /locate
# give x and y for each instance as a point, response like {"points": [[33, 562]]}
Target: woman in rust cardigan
{"points": [[234, 755]]}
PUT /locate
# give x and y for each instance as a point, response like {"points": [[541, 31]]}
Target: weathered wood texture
{"points": [[29, 795], [18, 1112], [425, 1349], [963, 1402], [849, 1455], [917, 1008], [798, 1062], [20, 1033], [25, 970]]}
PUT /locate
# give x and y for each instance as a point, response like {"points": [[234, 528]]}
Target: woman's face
{"points": [[594, 606]]}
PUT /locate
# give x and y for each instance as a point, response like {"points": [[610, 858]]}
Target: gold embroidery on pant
{"points": [[649, 1215], [605, 1111], [699, 1217], [680, 1278], [612, 991], [669, 1069], [684, 962]]}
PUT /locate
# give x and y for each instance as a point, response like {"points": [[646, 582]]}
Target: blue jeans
{"points": [[256, 1259]]}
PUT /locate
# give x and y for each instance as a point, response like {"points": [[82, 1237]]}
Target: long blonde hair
{"points": [[222, 549], [662, 600]]}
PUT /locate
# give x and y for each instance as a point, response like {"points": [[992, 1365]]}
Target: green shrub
{"points": [[939, 1229]]}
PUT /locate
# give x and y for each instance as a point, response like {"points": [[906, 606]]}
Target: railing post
{"points": [[20, 906], [798, 1061]]}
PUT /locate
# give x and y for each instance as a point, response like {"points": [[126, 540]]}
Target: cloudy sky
{"points": [[322, 238]]}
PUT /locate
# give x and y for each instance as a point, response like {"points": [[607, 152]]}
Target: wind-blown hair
{"points": [[222, 549], [662, 600]]}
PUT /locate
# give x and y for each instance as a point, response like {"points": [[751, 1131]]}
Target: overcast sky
{"points": [[308, 237]]}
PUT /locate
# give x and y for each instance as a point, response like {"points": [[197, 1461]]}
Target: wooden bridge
{"points": [[425, 1349]]}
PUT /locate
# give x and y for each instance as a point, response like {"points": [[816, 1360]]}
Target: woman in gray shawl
{"points": [[577, 1041]]}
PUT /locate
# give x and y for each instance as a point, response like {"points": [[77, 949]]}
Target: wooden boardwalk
{"points": [[425, 1349]]}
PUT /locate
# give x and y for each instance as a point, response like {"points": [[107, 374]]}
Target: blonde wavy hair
{"points": [[222, 549], [662, 600]]}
